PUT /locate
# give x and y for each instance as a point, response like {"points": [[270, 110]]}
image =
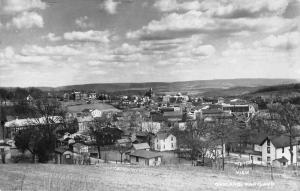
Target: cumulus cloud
{"points": [[26, 20], [83, 22], [90, 36], [204, 50], [63, 50], [228, 8], [52, 37], [9, 56], [174, 5], [110, 6], [15, 6], [193, 22], [286, 41], [244, 8], [126, 49]]}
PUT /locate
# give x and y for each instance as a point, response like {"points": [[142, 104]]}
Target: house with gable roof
{"points": [[276, 149], [164, 141], [145, 158]]}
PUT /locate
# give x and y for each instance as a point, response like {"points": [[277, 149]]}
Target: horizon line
{"points": [[215, 79]]}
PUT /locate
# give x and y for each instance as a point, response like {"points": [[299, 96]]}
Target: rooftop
{"points": [[141, 146], [145, 154], [280, 141], [32, 121], [162, 135]]}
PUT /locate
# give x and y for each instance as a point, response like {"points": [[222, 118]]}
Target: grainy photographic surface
{"points": [[149, 95]]}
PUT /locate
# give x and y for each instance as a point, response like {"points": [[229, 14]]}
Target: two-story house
{"points": [[164, 142], [276, 149]]}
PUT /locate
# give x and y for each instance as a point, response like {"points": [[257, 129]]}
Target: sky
{"points": [[64, 42]]}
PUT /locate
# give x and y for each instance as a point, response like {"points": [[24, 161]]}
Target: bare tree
{"points": [[286, 117], [195, 139], [220, 130], [122, 150], [39, 135]]}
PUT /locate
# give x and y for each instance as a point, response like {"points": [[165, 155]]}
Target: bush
{"points": [[21, 157]]}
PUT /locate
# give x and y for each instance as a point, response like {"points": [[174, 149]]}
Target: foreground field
{"points": [[117, 177]]}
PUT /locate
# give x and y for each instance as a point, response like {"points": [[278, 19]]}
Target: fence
{"points": [[262, 171]]}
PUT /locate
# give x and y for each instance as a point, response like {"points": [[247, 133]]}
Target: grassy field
{"points": [[120, 177], [81, 105]]}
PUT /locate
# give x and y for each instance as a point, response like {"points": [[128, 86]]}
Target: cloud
{"points": [[193, 22], [174, 5], [228, 8], [110, 6], [89, 36], [26, 20], [83, 22], [63, 50], [52, 37], [15, 6], [126, 49], [244, 8], [286, 41], [204, 50], [9, 56]]}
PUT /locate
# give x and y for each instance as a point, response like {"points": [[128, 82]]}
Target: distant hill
{"points": [[191, 87], [279, 90], [218, 87]]}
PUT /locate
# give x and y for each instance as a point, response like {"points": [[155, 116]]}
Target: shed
{"points": [[63, 155], [145, 158], [141, 146]]}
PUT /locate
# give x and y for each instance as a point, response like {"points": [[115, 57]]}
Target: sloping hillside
{"points": [[279, 90], [118, 177], [198, 86]]}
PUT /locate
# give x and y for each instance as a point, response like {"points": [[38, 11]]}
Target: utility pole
{"points": [[272, 173]]}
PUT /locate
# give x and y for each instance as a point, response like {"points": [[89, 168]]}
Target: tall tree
{"points": [[39, 134], [220, 131], [101, 134], [286, 116]]}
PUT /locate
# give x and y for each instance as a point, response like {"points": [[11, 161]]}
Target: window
{"points": [[268, 159], [136, 159], [171, 138], [258, 158], [157, 147], [164, 147], [282, 149], [172, 145], [156, 158], [268, 142], [268, 150], [283, 163]]}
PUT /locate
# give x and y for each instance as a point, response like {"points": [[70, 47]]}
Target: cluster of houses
{"points": [[77, 148], [78, 95], [147, 141]]}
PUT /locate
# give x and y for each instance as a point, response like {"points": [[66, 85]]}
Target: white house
{"points": [[80, 148], [276, 149], [96, 113], [150, 126], [84, 123], [164, 142], [215, 151], [93, 95]]}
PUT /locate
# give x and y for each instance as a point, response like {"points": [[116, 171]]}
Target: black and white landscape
{"points": [[149, 94]]}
